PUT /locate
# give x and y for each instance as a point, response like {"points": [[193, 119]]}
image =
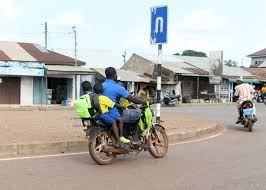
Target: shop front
{"points": [[16, 81]]}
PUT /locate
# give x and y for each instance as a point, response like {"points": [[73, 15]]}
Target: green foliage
{"points": [[177, 53], [194, 53], [231, 63]]}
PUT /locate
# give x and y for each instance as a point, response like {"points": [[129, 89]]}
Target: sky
{"points": [[234, 26]]}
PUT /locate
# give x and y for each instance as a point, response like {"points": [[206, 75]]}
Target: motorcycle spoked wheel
{"points": [[158, 142], [98, 144], [248, 124]]}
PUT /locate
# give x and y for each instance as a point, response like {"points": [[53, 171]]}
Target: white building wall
{"points": [[26, 91]]}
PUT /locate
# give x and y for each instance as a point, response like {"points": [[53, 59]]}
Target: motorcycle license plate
{"points": [[248, 112]]}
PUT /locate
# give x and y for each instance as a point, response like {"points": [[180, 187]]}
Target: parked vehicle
{"points": [[257, 97], [101, 139], [170, 100], [248, 115]]}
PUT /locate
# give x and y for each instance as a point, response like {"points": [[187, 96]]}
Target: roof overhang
{"points": [[63, 69]]}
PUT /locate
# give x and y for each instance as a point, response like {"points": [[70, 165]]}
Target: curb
{"points": [[82, 145]]}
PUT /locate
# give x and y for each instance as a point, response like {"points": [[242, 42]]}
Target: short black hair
{"points": [[110, 73], [86, 86], [98, 88]]}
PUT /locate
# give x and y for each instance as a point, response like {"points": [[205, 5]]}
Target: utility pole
{"points": [[124, 56], [45, 34], [76, 62], [75, 36]]}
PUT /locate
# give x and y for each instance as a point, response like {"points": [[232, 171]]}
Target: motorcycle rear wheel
{"points": [[158, 142], [97, 145]]}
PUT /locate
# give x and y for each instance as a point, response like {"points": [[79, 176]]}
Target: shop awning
{"points": [[253, 81]]}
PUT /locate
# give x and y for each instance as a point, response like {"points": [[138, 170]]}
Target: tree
{"points": [[177, 53], [194, 53], [231, 63]]}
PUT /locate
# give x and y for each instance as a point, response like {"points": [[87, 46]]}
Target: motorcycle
{"points": [[248, 114], [170, 100], [101, 140], [257, 97]]}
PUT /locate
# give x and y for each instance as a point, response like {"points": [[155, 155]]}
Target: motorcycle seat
{"points": [[101, 123]]}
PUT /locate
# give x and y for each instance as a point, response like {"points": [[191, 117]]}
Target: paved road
{"points": [[234, 160]]}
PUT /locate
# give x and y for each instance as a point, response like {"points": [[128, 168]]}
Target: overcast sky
{"points": [[235, 26]]}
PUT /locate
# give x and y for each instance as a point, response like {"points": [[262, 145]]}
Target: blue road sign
{"points": [[159, 25]]}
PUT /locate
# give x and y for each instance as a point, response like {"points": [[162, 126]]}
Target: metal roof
{"points": [[97, 58], [193, 65], [30, 52], [259, 73], [261, 53], [125, 75]]}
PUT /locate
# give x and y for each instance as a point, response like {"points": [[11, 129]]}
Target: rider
{"points": [[103, 113], [113, 90], [244, 92]]}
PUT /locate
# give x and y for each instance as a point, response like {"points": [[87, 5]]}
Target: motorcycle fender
{"points": [[157, 125], [93, 132]]}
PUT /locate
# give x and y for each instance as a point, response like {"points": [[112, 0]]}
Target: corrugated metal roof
{"points": [[30, 52], [97, 58], [4, 56], [259, 73], [235, 71], [193, 65], [261, 53], [126, 76]]}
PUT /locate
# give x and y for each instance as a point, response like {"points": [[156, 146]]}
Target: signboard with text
{"points": [[21, 69]]}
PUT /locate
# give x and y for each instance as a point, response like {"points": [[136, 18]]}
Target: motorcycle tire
{"points": [[155, 142], [98, 142]]}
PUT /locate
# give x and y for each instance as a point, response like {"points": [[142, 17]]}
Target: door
{"points": [[9, 90]]}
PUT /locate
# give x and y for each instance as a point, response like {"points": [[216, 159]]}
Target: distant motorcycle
{"points": [[170, 100], [257, 98], [248, 114]]}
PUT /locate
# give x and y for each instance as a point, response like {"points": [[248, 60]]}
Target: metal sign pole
{"points": [[159, 37], [159, 84]]}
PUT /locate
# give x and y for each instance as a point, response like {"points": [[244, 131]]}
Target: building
{"points": [[59, 76], [16, 81], [258, 58], [178, 76], [189, 76]]}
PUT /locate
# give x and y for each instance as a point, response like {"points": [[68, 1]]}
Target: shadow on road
{"points": [[236, 128]]}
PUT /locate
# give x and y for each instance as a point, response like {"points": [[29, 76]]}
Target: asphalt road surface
{"points": [[234, 160]]}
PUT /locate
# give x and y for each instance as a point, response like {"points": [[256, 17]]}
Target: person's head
{"points": [[110, 73], [86, 86], [240, 80], [98, 88]]}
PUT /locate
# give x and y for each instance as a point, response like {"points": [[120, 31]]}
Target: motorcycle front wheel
{"points": [[97, 146], [158, 142]]}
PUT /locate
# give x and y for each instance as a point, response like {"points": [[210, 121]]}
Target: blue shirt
{"points": [[113, 90]]}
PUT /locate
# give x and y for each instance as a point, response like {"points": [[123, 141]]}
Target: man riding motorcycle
{"points": [[244, 92], [113, 90]]}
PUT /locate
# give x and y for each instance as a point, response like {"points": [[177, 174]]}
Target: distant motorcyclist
{"points": [[244, 92]]}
